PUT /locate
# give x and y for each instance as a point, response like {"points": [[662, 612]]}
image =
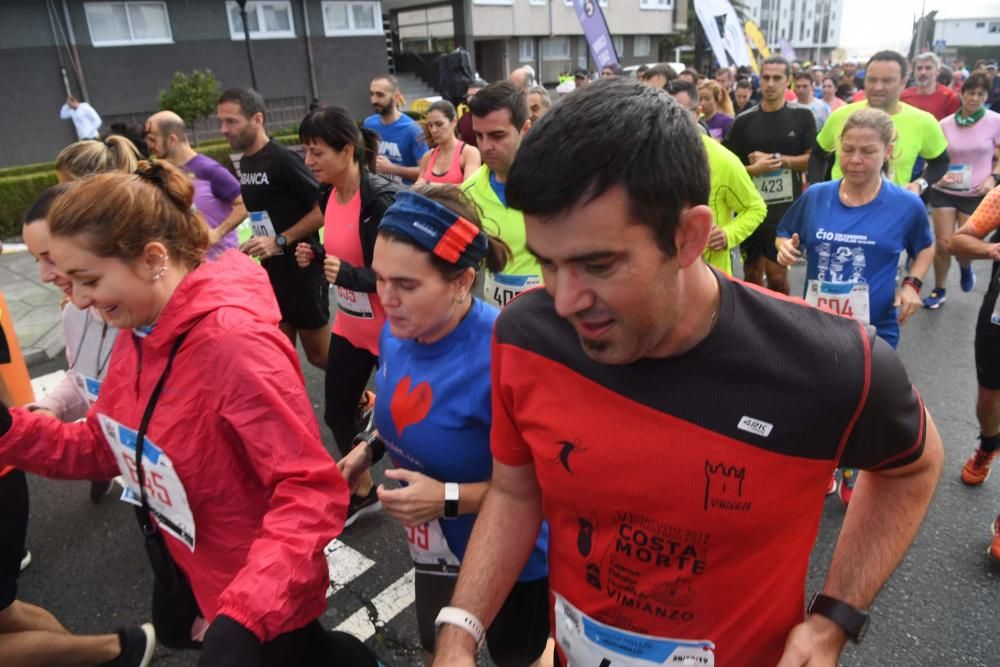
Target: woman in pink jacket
{"points": [[204, 413]]}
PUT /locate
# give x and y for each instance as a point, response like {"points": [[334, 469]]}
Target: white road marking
{"points": [[345, 565], [43, 384], [388, 603]]}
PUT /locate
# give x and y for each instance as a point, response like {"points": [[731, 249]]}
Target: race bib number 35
{"points": [[501, 288], [775, 187], [587, 643], [164, 490]]}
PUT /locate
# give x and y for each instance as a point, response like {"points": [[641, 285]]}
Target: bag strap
{"points": [[144, 514]]}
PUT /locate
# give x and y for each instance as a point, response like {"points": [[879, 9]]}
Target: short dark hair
{"points": [[248, 99], [660, 69], [744, 83], [334, 127], [777, 60], [803, 74], [393, 81], [889, 57], [976, 80], [683, 86], [39, 209], [501, 95], [616, 131]]}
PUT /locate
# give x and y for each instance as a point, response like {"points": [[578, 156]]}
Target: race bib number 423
{"points": [[775, 187], [587, 643], [164, 490]]}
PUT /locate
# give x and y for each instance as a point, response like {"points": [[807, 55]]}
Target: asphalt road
{"points": [[939, 608]]}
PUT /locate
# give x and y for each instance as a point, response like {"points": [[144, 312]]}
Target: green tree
{"points": [[191, 96]]}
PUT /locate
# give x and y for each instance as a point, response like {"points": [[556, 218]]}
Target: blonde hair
{"points": [[723, 103], [93, 156], [876, 120], [119, 213]]}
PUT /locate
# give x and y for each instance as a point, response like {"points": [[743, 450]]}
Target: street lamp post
{"points": [[246, 38]]}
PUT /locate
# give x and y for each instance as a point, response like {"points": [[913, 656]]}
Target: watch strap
{"points": [[465, 620], [917, 283], [451, 495], [851, 620]]}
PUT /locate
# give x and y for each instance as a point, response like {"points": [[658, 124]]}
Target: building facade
{"points": [[118, 56], [811, 27], [546, 34], [967, 26]]}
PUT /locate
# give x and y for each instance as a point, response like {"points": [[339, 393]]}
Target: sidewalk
{"points": [[34, 307]]}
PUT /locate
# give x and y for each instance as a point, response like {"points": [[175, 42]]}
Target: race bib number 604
{"points": [[587, 643]]}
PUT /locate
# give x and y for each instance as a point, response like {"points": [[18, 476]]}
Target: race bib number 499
{"points": [[587, 643], [164, 490]]}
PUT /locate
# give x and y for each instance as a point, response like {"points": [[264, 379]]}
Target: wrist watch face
{"points": [[281, 241]]}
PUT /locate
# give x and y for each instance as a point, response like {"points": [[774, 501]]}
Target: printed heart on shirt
{"points": [[409, 407]]}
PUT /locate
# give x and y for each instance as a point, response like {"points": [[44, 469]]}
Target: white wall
{"points": [[964, 32]]}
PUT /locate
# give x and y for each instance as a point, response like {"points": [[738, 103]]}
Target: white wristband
{"points": [[465, 620]]}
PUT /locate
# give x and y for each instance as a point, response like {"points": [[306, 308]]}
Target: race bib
{"points": [[260, 224], [848, 299], [354, 304], [87, 387], [164, 489], [500, 288], [775, 187], [959, 177], [587, 643], [429, 550]]}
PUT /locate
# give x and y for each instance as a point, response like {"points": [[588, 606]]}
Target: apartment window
{"points": [[994, 28], [555, 48], [526, 49], [980, 24], [267, 20], [619, 45], [659, 5], [352, 18], [640, 45], [128, 23]]}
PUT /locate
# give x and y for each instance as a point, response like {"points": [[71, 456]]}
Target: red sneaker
{"points": [[977, 469], [850, 476], [831, 488], [994, 550]]}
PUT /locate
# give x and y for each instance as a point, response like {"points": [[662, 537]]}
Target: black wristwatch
{"points": [[281, 240], [852, 621]]}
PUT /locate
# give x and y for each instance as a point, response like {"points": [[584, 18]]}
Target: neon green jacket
{"points": [[506, 223], [738, 207]]}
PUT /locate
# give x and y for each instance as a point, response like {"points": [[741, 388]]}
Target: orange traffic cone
{"points": [[14, 375]]}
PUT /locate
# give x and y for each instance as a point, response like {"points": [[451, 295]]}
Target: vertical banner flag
{"points": [[595, 27], [787, 52], [756, 39], [724, 31]]}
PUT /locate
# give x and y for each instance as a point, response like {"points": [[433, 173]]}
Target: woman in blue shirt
{"points": [[853, 231], [433, 411]]}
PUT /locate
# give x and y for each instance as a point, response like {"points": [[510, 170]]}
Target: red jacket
{"points": [[263, 497]]}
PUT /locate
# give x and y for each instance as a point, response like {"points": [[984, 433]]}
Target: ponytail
{"points": [[369, 142], [119, 214], [93, 156]]}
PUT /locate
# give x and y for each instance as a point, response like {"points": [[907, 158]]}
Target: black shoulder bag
{"points": [[163, 564]]}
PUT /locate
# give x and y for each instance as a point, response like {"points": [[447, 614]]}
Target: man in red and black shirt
{"points": [[677, 428]]}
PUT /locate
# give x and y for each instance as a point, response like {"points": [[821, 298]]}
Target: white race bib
{"points": [[500, 288], [261, 225], [959, 177], [775, 187], [587, 643], [354, 304], [87, 387], [849, 299], [164, 489], [429, 549]]}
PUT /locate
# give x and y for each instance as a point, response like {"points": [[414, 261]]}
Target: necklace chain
{"points": [[865, 200]]}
